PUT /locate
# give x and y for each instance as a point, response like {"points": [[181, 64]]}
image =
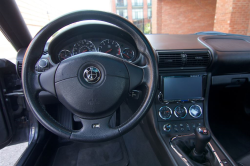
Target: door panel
{"points": [[14, 117]]}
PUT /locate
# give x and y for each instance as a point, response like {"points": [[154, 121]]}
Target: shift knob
{"points": [[202, 137]]}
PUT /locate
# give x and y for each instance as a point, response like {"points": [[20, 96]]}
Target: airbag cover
{"points": [[92, 100]]}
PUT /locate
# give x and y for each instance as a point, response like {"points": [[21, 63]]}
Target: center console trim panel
{"points": [[153, 132], [184, 159]]}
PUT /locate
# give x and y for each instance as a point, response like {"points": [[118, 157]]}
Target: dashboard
{"points": [[97, 42], [187, 65], [87, 37], [219, 55], [92, 37]]}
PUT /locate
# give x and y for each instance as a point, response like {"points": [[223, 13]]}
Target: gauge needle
{"points": [[126, 56], [84, 51], [62, 57], [108, 50]]}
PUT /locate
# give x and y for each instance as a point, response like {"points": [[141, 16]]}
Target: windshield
{"points": [[150, 16], [204, 17]]}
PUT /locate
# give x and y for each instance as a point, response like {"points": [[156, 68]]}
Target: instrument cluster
{"points": [[118, 48]]}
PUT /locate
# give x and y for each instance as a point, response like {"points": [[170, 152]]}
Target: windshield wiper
{"points": [[216, 33]]}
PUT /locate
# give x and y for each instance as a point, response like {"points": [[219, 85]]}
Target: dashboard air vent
{"points": [[168, 59], [19, 68], [198, 59]]}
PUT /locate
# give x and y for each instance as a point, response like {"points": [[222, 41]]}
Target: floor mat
{"points": [[110, 153], [139, 149], [235, 141], [132, 149]]}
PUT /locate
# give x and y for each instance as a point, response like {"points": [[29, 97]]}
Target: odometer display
{"points": [[110, 47], [83, 46]]}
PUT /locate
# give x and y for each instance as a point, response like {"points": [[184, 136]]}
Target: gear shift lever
{"points": [[202, 137]]}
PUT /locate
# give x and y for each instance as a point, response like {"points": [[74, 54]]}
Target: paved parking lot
{"points": [[10, 154]]}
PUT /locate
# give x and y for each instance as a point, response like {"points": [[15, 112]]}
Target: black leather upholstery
{"points": [[245, 160], [185, 145]]}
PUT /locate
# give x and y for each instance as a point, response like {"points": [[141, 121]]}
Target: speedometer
{"points": [[110, 47], [83, 46]]}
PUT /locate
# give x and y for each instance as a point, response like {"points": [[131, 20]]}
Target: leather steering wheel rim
{"points": [[32, 84]]}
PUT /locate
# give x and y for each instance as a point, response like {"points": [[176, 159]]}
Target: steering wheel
{"points": [[91, 85]]}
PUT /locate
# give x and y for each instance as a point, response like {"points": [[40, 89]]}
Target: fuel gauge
{"points": [[64, 54], [128, 54]]}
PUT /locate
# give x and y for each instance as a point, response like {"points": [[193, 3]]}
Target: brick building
{"points": [[190, 16], [159, 16], [37, 13], [137, 11]]}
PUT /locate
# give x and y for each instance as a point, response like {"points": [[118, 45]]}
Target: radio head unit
{"points": [[182, 88]]}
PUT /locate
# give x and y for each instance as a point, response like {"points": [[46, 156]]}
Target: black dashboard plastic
{"points": [[95, 32], [231, 54]]}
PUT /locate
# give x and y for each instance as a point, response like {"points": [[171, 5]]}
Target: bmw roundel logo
{"points": [[92, 74]]}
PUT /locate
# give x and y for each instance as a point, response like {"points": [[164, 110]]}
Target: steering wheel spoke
{"points": [[95, 129], [138, 75], [47, 80]]}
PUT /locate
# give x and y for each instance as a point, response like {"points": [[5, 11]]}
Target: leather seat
{"points": [[245, 160]]}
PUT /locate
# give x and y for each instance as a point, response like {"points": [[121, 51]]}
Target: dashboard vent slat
{"points": [[171, 60], [184, 59]]}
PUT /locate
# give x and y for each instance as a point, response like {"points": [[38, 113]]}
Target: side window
{"points": [[7, 51]]}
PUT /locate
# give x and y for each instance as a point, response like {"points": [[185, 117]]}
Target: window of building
{"points": [[149, 2], [137, 14], [149, 13], [137, 2], [122, 12], [121, 3]]}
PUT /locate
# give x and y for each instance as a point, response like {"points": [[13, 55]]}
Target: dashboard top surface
{"points": [[175, 42], [227, 62]]}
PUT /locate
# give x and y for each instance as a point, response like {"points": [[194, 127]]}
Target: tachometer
{"points": [[64, 54], [110, 47], [83, 46]]}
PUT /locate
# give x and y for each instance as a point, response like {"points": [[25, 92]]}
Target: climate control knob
{"points": [[165, 112], [180, 111], [195, 111]]}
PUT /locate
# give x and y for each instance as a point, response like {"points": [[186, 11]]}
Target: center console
{"points": [[180, 103], [180, 116]]}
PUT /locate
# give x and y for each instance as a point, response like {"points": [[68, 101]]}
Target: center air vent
{"points": [[184, 59]]}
